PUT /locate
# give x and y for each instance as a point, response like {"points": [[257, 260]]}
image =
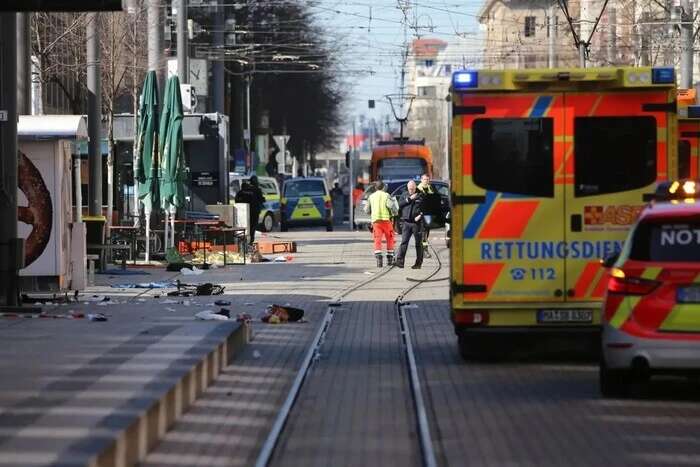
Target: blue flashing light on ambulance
{"points": [[549, 169]]}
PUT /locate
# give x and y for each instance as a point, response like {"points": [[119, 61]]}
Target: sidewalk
{"points": [[81, 392]]}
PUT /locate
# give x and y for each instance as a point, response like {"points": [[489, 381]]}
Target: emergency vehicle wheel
{"points": [[613, 383], [268, 223], [283, 227]]}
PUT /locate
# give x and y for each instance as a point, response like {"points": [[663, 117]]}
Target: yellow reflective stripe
{"points": [[651, 273], [624, 311], [685, 317]]}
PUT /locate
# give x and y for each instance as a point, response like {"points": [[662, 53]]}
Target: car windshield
{"points": [[390, 187], [666, 240], [441, 188], [304, 188]]}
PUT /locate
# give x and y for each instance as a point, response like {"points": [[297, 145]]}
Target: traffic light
{"points": [[62, 5]]}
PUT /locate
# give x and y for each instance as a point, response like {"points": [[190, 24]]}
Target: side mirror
{"points": [[610, 260]]}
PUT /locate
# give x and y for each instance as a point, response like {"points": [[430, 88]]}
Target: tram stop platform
{"points": [[74, 391]]}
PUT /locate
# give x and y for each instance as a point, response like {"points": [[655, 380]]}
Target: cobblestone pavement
{"points": [[543, 410], [355, 407]]}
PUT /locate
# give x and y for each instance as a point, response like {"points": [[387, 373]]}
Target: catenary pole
{"points": [[8, 159], [155, 38], [182, 65], [686, 45], [94, 115], [552, 36], [217, 67], [612, 36], [351, 178]]}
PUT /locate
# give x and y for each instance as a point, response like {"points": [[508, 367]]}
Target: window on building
{"points": [[427, 91], [514, 155], [613, 154], [429, 62], [529, 26]]}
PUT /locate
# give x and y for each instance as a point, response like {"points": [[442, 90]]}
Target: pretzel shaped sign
{"points": [[39, 213]]}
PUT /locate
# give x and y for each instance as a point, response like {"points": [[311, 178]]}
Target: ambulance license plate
{"points": [[689, 294], [551, 315]]}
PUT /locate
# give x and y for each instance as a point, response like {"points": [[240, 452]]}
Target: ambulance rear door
{"points": [[689, 132], [506, 204], [617, 149]]}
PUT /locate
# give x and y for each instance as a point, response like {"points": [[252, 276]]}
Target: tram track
{"points": [[427, 450]]}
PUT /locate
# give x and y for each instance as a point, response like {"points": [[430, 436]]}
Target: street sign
{"points": [[63, 5]]}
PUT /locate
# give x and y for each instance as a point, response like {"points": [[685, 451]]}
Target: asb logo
{"points": [[615, 215]]}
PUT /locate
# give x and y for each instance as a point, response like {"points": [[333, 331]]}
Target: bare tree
{"points": [[123, 63], [58, 47]]}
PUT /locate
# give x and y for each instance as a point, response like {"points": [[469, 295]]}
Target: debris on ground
{"points": [[170, 309], [256, 257], [210, 315], [283, 259], [256, 354], [96, 298], [222, 303], [282, 314], [143, 285], [96, 317], [224, 312], [244, 318], [369, 273], [195, 271], [187, 290]]}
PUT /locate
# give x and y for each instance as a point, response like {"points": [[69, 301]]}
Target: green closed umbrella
{"points": [[145, 171], [172, 163]]}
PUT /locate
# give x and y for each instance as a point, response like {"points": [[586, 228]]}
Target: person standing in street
{"points": [[411, 225], [251, 193], [430, 206], [338, 199], [378, 205]]}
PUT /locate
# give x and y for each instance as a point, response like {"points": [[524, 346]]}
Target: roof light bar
{"points": [[663, 75], [465, 80]]}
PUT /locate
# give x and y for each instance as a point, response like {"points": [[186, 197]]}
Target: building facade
{"points": [[429, 69]]}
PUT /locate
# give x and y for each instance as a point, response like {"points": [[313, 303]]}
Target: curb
{"points": [[143, 434]]}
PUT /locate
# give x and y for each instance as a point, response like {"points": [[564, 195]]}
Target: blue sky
{"points": [[372, 37]]}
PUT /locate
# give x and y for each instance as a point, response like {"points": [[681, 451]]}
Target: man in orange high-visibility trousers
{"points": [[379, 205]]}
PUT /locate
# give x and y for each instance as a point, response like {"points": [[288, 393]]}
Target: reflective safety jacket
{"points": [[378, 206]]}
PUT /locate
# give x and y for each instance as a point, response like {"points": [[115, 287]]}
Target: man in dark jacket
{"points": [[411, 218], [251, 193]]}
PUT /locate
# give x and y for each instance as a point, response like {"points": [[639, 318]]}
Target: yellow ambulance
{"points": [[549, 169]]}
